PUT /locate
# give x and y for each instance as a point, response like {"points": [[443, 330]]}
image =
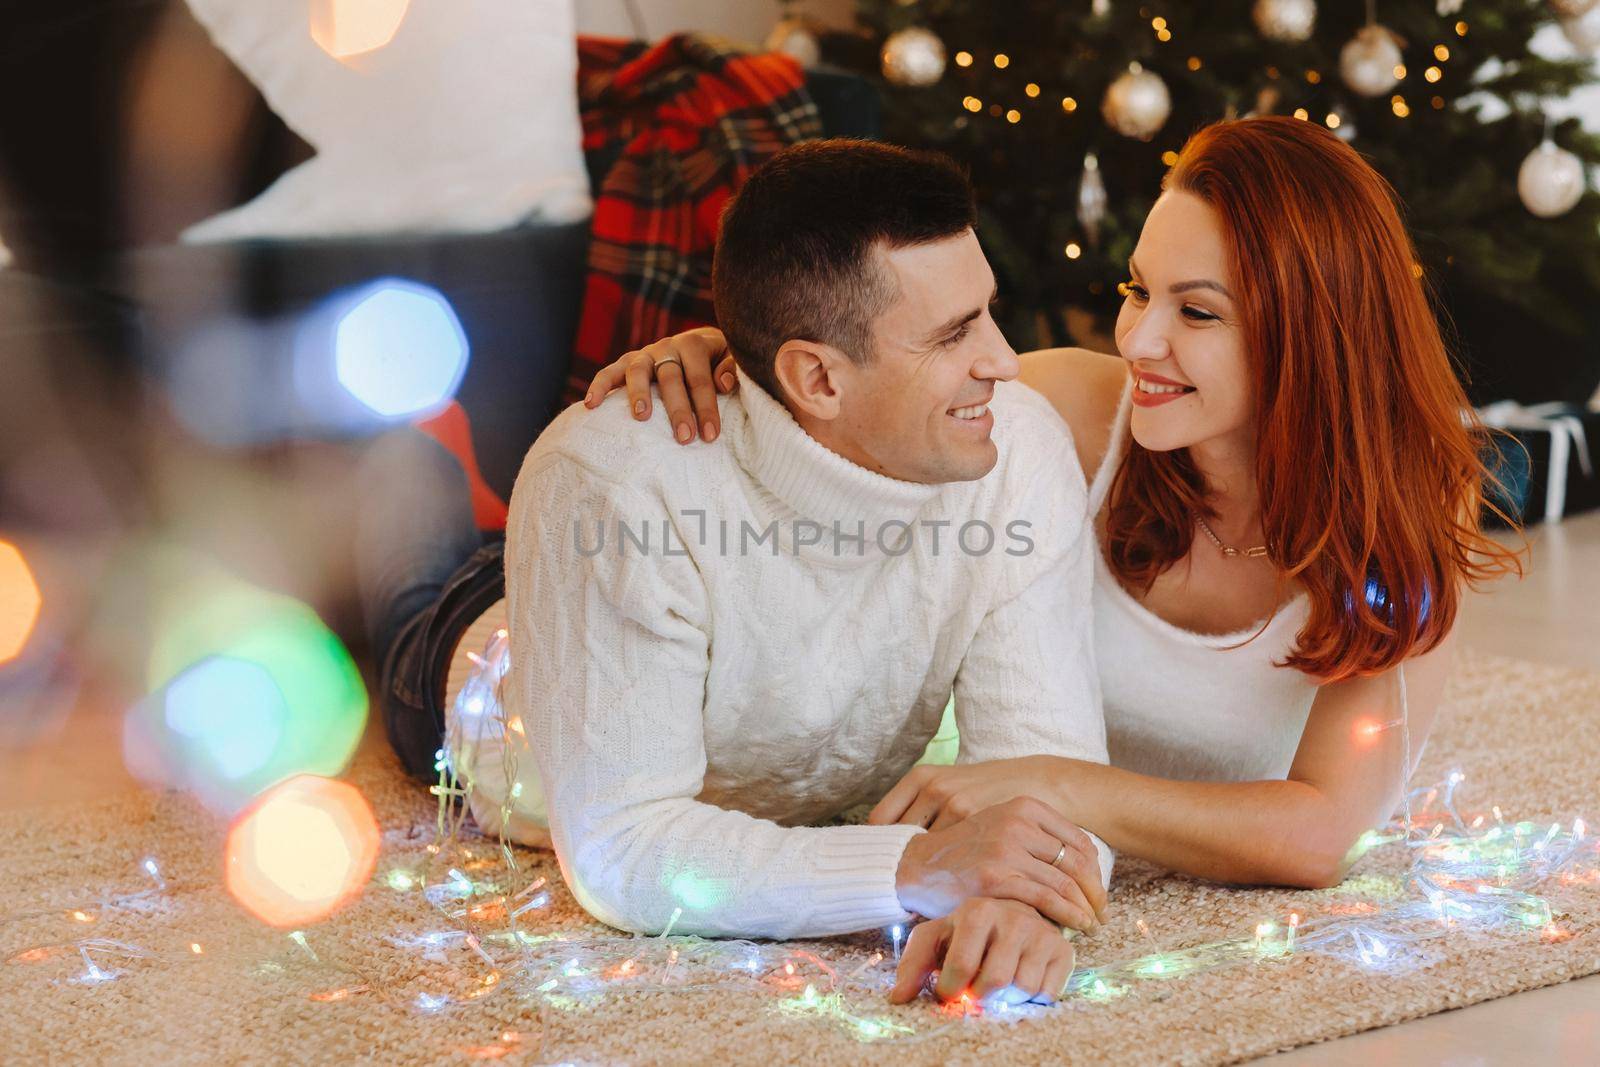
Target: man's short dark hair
{"points": [[796, 258]]}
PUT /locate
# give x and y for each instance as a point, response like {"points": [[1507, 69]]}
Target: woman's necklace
{"points": [[1228, 550]]}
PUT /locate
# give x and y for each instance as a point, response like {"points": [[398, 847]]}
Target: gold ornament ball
{"points": [[1137, 103], [1368, 60], [1583, 31], [1285, 20], [794, 39], [1550, 181], [913, 57], [1571, 9]]}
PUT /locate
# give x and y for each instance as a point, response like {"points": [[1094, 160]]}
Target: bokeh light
{"points": [[19, 601], [231, 711], [392, 346], [346, 28], [301, 852], [247, 688]]}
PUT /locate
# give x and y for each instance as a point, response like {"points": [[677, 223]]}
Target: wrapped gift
{"points": [[1563, 447]]}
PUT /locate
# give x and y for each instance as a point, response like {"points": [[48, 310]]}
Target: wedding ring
{"points": [[1056, 862], [669, 359]]}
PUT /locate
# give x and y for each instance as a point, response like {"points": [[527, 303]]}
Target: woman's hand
{"points": [[937, 797], [688, 388], [986, 947]]}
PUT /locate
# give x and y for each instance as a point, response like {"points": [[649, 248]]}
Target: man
{"points": [[713, 648]]}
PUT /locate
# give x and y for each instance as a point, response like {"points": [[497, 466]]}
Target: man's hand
{"points": [[1007, 852], [986, 947]]}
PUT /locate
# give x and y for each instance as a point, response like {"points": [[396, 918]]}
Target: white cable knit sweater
{"points": [[690, 706]]}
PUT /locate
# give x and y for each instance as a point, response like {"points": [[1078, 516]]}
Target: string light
{"points": [[963, 59], [299, 938], [1001, 61], [1468, 876], [1068, 104], [1441, 53], [1465, 878], [1032, 89]]}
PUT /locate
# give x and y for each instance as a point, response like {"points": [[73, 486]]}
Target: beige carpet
{"points": [[1526, 737]]}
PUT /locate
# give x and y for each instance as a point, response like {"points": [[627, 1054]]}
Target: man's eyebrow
{"points": [[949, 327], [1184, 287]]}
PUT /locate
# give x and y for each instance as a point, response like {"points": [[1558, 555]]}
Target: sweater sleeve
{"points": [[1027, 685], [610, 654]]}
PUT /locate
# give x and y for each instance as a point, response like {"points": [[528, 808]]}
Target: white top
{"points": [[691, 706], [1198, 707]]}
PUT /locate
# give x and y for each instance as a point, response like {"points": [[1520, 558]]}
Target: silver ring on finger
{"points": [[1057, 861], [662, 362]]}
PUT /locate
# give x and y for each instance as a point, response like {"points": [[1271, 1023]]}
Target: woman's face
{"points": [[1180, 334]]}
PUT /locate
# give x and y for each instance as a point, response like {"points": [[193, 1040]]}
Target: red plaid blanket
{"points": [[692, 117]]}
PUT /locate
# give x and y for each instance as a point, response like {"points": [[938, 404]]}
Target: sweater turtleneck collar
{"points": [[812, 480]]}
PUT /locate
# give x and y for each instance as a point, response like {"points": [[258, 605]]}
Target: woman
{"points": [[1287, 507]]}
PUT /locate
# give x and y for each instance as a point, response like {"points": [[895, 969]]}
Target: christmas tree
{"points": [[1051, 101]]}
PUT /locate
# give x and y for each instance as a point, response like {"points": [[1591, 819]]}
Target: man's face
{"points": [[918, 410]]}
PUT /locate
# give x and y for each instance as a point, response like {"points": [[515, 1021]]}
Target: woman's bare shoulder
{"points": [[1085, 388]]}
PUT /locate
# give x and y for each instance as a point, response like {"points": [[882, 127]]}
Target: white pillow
{"points": [[466, 120]]}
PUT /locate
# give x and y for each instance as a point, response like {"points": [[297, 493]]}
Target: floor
{"points": [[1549, 616]]}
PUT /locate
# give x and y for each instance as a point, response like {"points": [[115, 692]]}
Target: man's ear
{"points": [[811, 376]]}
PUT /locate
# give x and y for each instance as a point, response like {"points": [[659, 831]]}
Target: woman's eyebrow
{"points": [[1184, 287]]}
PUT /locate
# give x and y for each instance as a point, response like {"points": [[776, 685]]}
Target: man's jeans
{"points": [[425, 574]]}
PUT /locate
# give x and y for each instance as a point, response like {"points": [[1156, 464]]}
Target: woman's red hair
{"points": [[1370, 477]]}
